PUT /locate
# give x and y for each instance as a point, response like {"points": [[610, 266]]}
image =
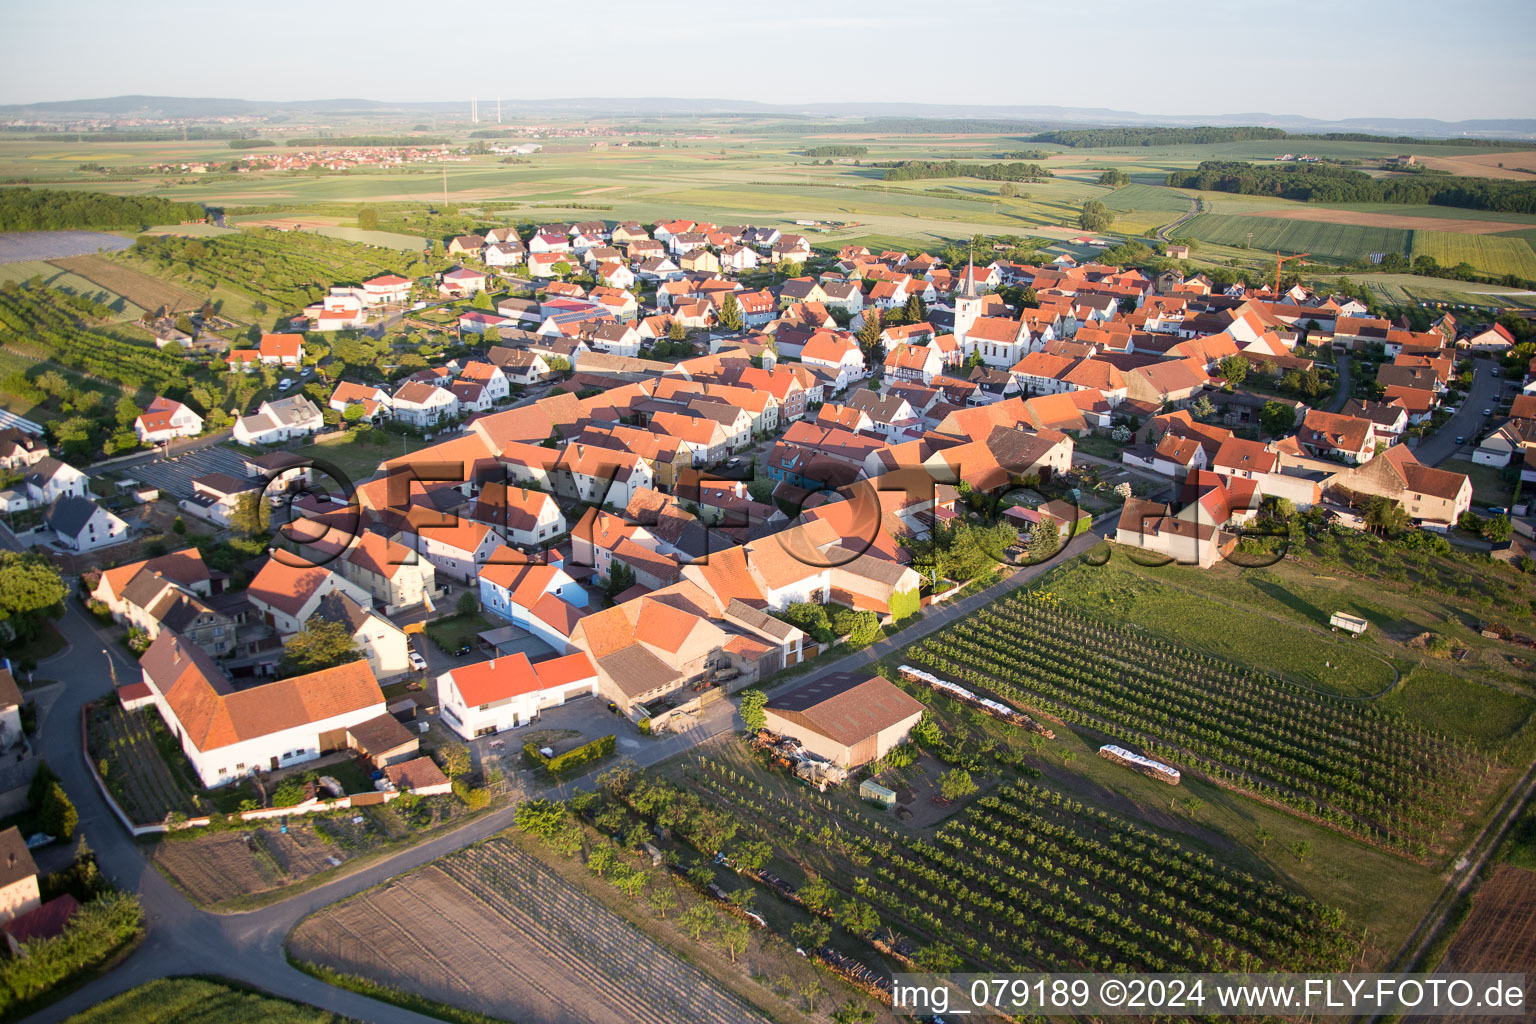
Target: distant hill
{"points": [[663, 106]]}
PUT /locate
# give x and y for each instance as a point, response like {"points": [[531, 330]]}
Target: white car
{"points": [[284, 384], [306, 372], [417, 661]]}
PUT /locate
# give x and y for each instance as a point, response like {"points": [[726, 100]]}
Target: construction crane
{"points": [[1281, 261]]}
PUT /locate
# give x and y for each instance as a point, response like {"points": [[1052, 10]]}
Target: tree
{"points": [[319, 645], [368, 219], [753, 855], [56, 815], [859, 918], [1114, 178], [1277, 419], [1384, 515], [915, 311], [127, 411], [1203, 408], [457, 762], [1095, 216], [353, 412], [734, 936], [1008, 190], [1302, 849], [730, 314], [676, 332], [817, 895], [663, 899], [1496, 529], [812, 934], [1044, 539], [1234, 368], [30, 588], [600, 860], [251, 515], [482, 300], [467, 604], [697, 920], [956, 784], [752, 714], [869, 333]]}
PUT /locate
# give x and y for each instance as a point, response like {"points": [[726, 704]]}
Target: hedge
{"points": [[575, 758]]}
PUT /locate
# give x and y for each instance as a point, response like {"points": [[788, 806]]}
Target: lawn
{"points": [[1488, 484], [455, 631], [1437, 700], [355, 453], [1157, 600], [195, 1000]]}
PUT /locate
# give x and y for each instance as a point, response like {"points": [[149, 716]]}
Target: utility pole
{"points": [[498, 110]]}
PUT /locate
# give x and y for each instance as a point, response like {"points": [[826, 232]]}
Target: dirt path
{"points": [[1164, 232]]}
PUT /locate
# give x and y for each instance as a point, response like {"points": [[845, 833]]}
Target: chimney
{"points": [[492, 664]]}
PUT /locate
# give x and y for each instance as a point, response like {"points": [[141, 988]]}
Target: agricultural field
{"points": [[487, 927], [138, 288], [1500, 934], [1022, 877], [1342, 242], [1410, 290], [1495, 254], [221, 868], [1145, 208], [1242, 728], [200, 1001]]}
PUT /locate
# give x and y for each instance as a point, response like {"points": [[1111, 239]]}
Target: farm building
{"points": [[228, 733], [845, 719]]}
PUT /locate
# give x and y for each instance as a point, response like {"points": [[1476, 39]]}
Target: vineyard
{"points": [[48, 324], [291, 269], [1354, 768], [1028, 879], [200, 1001]]}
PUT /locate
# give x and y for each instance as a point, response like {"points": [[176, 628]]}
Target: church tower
{"points": [[967, 305]]}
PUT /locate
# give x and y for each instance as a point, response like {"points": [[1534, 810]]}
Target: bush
{"points": [[582, 755], [289, 792], [471, 797], [98, 930], [56, 815]]}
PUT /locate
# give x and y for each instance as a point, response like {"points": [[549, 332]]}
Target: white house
{"points": [[422, 405], [275, 422], [228, 733], [384, 644], [386, 288], [507, 692], [80, 524], [527, 518], [49, 480], [165, 419], [456, 549], [489, 376]]}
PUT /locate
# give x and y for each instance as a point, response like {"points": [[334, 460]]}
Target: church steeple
{"points": [[968, 287], [967, 303]]}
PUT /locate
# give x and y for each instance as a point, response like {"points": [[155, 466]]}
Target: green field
{"points": [[1408, 290], [1495, 254], [1342, 242], [200, 1001]]}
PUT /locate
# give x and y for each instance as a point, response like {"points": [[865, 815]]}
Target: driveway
{"points": [[1468, 422]]}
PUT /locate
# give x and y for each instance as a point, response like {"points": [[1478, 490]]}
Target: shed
{"points": [[871, 790], [845, 719], [382, 741]]}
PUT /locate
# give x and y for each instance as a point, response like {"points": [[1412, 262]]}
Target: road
{"points": [[248, 947], [1468, 421], [1166, 231], [1343, 364]]}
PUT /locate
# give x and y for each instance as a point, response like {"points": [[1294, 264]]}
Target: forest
{"points": [[909, 170], [38, 209], [1326, 183]]}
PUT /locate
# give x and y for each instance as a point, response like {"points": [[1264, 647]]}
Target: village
{"points": [[671, 464]]}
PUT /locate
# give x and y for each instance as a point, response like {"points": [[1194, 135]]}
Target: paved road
{"points": [[248, 947], [1344, 364], [1468, 422], [1166, 230]]}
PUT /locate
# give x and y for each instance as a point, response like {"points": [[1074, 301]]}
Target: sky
{"points": [[1328, 59]]}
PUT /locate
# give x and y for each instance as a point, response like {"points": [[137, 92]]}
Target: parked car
{"points": [[284, 384], [417, 661], [307, 371], [1460, 439], [1487, 412]]}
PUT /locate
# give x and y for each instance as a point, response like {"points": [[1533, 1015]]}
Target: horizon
{"points": [[1492, 78]]}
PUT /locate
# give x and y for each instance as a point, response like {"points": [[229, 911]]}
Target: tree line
{"points": [[836, 150], [1326, 183], [909, 170], [1096, 138], [365, 140], [40, 209]]}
